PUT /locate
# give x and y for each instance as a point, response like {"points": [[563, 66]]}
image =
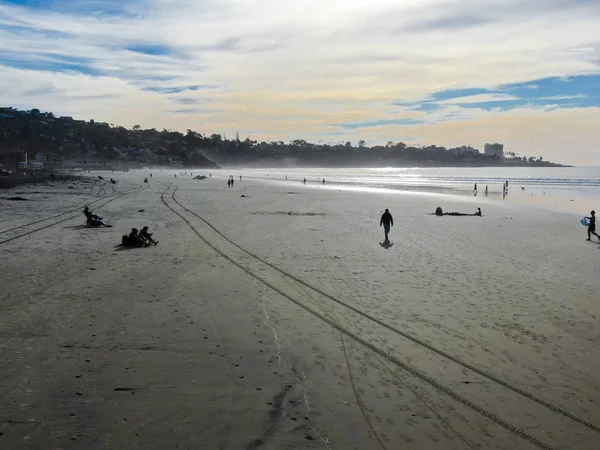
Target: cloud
{"points": [[376, 69], [479, 98]]}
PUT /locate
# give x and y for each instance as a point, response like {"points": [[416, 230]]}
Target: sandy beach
{"points": [[273, 316]]}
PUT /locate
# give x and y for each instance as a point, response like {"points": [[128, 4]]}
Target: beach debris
{"points": [[243, 196], [141, 210]]}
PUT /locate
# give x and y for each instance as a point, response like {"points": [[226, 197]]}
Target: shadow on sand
{"points": [[75, 227], [120, 248], [386, 244]]}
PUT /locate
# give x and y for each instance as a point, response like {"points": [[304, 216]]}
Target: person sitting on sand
{"points": [[478, 213], [90, 215], [133, 240], [147, 237], [592, 226], [386, 220]]}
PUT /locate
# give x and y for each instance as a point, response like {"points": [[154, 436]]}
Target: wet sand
{"points": [[280, 320]]}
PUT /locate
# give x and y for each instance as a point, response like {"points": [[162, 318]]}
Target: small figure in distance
{"points": [[486, 190], [305, 181], [386, 220], [478, 213], [592, 226], [147, 237], [323, 181]]}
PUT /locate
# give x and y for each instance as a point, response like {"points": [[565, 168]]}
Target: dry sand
{"points": [[278, 321]]}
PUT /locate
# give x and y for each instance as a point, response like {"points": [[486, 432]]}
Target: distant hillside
{"points": [[63, 138]]}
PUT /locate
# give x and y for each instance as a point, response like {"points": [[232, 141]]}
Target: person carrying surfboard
{"points": [[592, 226]]}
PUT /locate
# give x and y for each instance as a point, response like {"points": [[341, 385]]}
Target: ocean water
{"points": [[574, 190], [564, 189]]}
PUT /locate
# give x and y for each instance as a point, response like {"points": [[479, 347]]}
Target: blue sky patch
{"points": [[571, 92], [52, 64], [148, 49], [377, 123], [79, 7]]}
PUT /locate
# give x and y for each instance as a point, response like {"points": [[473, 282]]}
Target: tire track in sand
{"points": [[385, 355], [112, 198], [414, 339]]}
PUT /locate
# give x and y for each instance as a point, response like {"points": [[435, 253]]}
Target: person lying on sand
{"points": [[439, 212], [147, 237]]}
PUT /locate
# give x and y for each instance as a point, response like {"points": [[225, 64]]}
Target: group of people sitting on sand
{"points": [[138, 238]]}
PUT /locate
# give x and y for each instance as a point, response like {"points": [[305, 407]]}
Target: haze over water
{"points": [[564, 189]]}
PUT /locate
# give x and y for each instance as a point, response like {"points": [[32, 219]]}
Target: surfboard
{"points": [[585, 222]]}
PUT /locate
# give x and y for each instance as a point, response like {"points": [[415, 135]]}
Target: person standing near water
{"points": [[486, 190], [387, 221], [592, 226]]}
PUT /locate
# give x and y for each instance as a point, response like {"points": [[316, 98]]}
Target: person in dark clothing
{"points": [[592, 226], [147, 237], [95, 223], [478, 213], [133, 240], [89, 215], [386, 220]]}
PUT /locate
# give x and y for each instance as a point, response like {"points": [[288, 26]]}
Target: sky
{"points": [[525, 73]]}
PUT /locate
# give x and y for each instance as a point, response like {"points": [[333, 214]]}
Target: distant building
{"points": [[494, 150], [465, 150]]}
